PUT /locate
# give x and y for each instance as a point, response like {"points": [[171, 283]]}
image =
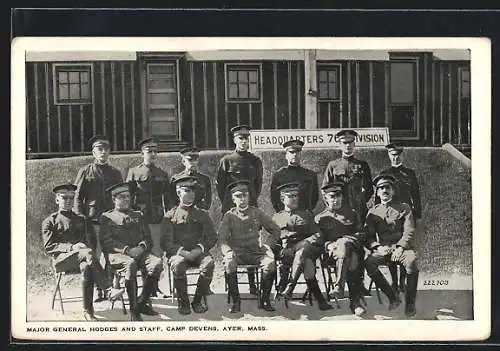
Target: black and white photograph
{"points": [[250, 188]]}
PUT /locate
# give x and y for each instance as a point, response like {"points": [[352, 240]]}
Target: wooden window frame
{"points": [[228, 66], [460, 82], [338, 68], [56, 68]]}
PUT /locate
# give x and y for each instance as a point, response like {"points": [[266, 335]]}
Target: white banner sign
{"points": [[315, 138]]}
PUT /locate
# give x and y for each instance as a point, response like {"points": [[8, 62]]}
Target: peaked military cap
{"points": [[118, 188], [148, 143], [383, 179], [347, 134], [293, 145], [241, 129], [333, 186], [98, 140], [64, 187], [288, 187], [185, 181], [238, 185], [394, 148], [190, 152]]}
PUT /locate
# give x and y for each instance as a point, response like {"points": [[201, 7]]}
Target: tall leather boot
{"points": [[234, 293], [402, 279], [296, 272], [202, 287], [180, 285], [354, 286], [150, 284], [313, 286], [251, 281], [88, 295], [393, 270], [266, 286], [284, 273], [383, 285], [342, 267], [411, 294], [130, 286]]}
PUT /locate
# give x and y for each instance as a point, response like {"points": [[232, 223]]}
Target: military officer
{"points": [[301, 243], [190, 157], [240, 243], [343, 237], [189, 235], [309, 189], [390, 233], [150, 188], [69, 239], [92, 180], [240, 164], [127, 241]]}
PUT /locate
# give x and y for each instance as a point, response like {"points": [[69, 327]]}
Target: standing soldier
{"points": [[240, 243], [127, 241], [240, 164], [190, 157], [309, 190], [69, 239], [408, 191], [342, 233], [92, 180], [189, 236], [302, 244], [357, 176], [390, 235]]}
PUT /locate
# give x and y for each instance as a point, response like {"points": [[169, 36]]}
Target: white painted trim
{"points": [[55, 56]]}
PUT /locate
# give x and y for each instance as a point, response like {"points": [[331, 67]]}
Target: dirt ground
{"points": [[453, 302]]}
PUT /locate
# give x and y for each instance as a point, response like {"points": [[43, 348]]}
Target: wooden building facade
{"points": [[195, 98]]}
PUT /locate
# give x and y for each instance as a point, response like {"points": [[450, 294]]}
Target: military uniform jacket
{"points": [[150, 189], [309, 192], [356, 173], [296, 226], [203, 197], [240, 231], [187, 227], [339, 223], [390, 224], [237, 166], [120, 230], [61, 231], [407, 188], [92, 181]]}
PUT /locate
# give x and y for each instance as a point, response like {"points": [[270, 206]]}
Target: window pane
{"points": [[63, 92], [162, 98], [84, 77], [403, 117], [253, 92], [402, 82], [233, 91], [166, 128], [233, 76], [332, 91], [243, 91], [332, 76], [85, 90], [242, 76], [465, 75], [163, 113], [74, 92], [74, 77], [252, 76], [161, 69], [323, 91], [323, 76], [161, 84], [63, 77]]}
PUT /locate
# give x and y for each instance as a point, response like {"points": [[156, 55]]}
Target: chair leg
{"points": [[60, 296], [226, 288], [56, 290]]}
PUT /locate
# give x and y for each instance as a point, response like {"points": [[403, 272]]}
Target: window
{"points": [[72, 84], [328, 83], [243, 83], [403, 90], [464, 82]]}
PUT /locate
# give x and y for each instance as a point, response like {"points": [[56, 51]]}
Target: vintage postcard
{"points": [[251, 189]]}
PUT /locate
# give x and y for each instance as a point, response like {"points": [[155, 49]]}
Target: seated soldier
{"points": [[390, 232], [126, 240], [189, 235], [69, 239], [239, 236], [341, 228], [302, 244]]}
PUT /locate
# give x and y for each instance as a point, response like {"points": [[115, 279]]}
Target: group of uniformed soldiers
{"points": [[133, 224]]}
